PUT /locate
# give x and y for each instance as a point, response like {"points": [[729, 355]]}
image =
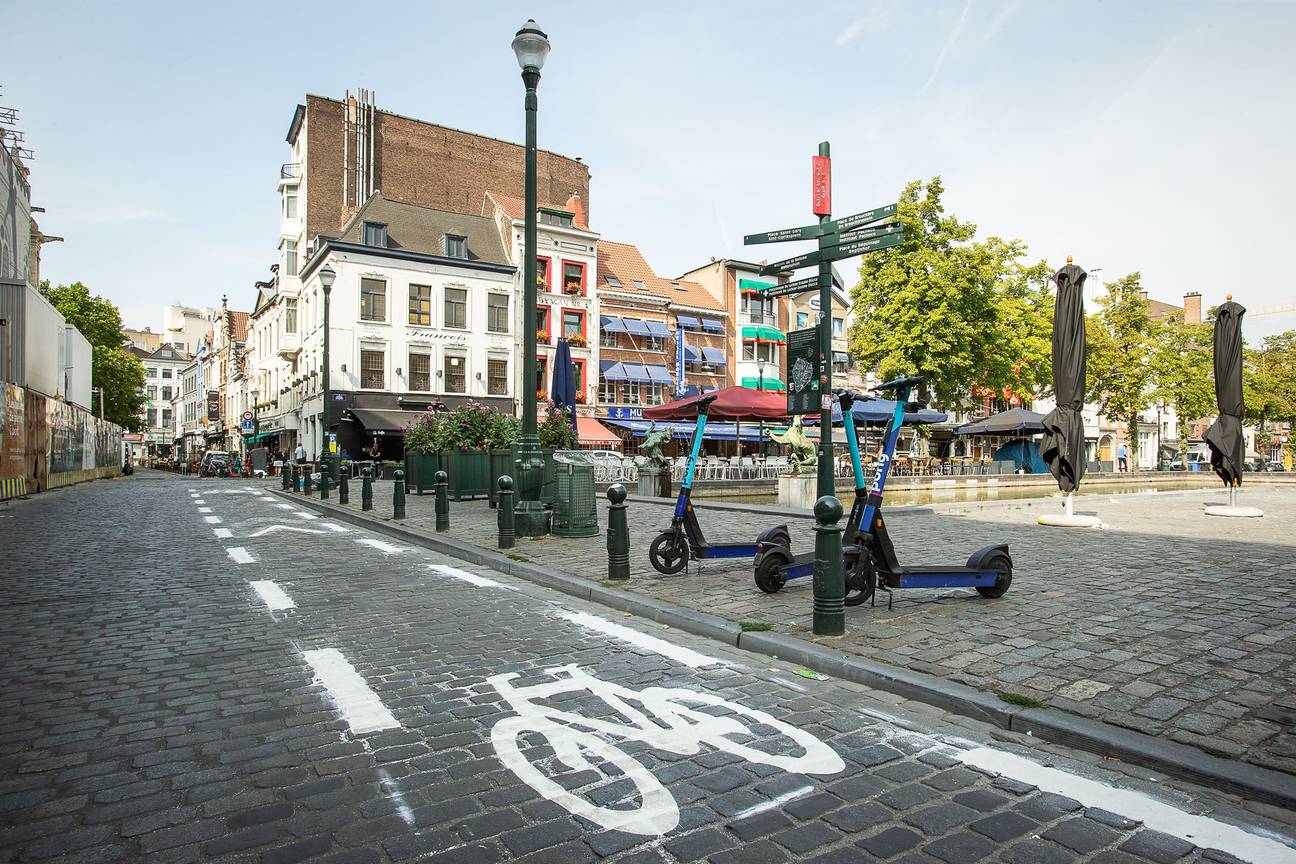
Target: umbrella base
{"points": [[1070, 520], [1243, 512]]}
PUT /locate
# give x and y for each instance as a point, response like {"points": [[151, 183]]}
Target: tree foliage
{"points": [[965, 313], [117, 372], [1120, 349], [1182, 364], [1269, 382]]}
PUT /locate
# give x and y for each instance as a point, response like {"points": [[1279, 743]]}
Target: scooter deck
{"points": [[937, 576]]}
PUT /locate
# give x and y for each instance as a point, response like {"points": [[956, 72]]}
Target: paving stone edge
{"points": [[1094, 736]]}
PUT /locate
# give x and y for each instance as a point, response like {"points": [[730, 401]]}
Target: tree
{"points": [[1181, 365], [963, 313], [1120, 347], [118, 374], [1269, 382]]}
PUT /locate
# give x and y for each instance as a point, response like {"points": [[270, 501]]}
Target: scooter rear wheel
{"points": [[1003, 564], [669, 553], [769, 576]]}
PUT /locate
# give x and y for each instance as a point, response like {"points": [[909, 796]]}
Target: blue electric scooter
{"points": [[674, 546], [870, 558]]}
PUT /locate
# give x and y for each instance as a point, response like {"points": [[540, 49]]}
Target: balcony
{"points": [[289, 345], [769, 319], [290, 171]]}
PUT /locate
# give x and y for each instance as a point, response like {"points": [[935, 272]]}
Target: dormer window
{"points": [[557, 218], [638, 283], [456, 246], [613, 282], [375, 234]]}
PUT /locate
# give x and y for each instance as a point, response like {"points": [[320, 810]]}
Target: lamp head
{"points": [[326, 277], [530, 46]]}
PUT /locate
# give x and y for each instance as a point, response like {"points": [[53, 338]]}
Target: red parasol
{"points": [[731, 403]]}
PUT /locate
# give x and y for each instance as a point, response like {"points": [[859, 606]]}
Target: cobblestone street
{"points": [[1165, 621], [197, 671]]}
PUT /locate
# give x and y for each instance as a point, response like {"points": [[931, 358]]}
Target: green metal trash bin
{"points": [[575, 509]]}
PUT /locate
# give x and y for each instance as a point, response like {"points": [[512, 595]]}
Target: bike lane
{"points": [[513, 723]]}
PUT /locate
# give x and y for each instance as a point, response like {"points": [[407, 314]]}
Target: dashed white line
{"points": [[212, 520], [359, 706], [274, 597], [204, 510], [338, 529], [239, 555], [269, 529], [1199, 830], [222, 533], [772, 803], [284, 506], [394, 793], [385, 548], [678, 653], [305, 515], [470, 578]]}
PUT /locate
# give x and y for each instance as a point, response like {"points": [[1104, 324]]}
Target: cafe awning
{"points": [[658, 328], [591, 431], [760, 333], [635, 372], [635, 327], [376, 420], [714, 356], [612, 370], [659, 374], [768, 383]]}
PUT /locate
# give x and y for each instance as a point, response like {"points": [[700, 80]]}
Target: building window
{"points": [[555, 218], [837, 326], [763, 351], [290, 316], [542, 273], [456, 308], [152, 418], [803, 318], [608, 340], [613, 282], [578, 367], [166, 417], [573, 325], [290, 202], [166, 373], [456, 246], [420, 305], [375, 234], [456, 373], [497, 377], [152, 372], [372, 370], [653, 343], [420, 372], [573, 278], [497, 313], [166, 394], [150, 392], [290, 257], [607, 391], [373, 300], [542, 323], [654, 393], [542, 375], [179, 346]]}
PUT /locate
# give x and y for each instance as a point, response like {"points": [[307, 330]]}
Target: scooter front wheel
{"points": [[769, 572], [669, 553], [861, 580]]}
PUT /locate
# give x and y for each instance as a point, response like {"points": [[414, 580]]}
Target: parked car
{"points": [[215, 463], [1199, 456], [1275, 465]]}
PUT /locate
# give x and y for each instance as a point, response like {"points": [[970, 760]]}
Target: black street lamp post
{"points": [[531, 47], [326, 277]]}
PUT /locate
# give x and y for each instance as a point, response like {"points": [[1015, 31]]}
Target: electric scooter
{"points": [[870, 560], [671, 549]]}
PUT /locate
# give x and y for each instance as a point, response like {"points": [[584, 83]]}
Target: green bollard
{"points": [[504, 512], [829, 580], [618, 534], [441, 489], [344, 488], [307, 479], [325, 479], [398, 495], [366, 488], [285, 478], [407, 483]]}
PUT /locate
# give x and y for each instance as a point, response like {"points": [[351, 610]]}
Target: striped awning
{"points": [[760, 333], [659, 374], [688, 322], [714, 356], [636, 372], [713, 325], [635, 327], [658, 328]]}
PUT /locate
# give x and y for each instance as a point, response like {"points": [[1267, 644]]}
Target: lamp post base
{"points": [[530, 519]]}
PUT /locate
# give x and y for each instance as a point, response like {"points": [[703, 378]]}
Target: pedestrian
{"points": [[300, 454], [375, 450], [1121, 458]]}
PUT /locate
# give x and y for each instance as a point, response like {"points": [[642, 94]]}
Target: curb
{"points": [[1049, 724]]}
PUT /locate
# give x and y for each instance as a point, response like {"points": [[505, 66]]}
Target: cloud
{"points": [[874, 21], [940, 58]]}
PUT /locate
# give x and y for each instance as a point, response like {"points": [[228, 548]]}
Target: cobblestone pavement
{"points": [[193, 671], [1165, 621]]}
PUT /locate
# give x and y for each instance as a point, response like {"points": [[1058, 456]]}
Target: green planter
{"points": [[469, 473], [501, 463], [422, 468]]}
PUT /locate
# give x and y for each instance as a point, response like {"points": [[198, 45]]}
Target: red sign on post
{"points": [[821, 186]]}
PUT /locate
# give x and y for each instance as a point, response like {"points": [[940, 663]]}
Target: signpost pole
{"points": [[826, 484]]}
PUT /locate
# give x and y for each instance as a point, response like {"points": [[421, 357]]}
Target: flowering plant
{"points": [[576, 340], [554, 427], [572, 288], [542, 335], [471, 426]]}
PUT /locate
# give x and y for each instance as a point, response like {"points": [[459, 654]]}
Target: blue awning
{"points": [[691, 355], [714, 356], [635, 372], [659, 374], [611, 324], [713, 324], [635, 327], [612, 370], [658, 328], [840, 357], [688, 322]]}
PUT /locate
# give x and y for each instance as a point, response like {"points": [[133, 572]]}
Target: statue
{"points": [[654, 440], [803, 451]]}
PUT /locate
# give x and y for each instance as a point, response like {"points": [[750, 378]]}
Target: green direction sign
{"points": [[803, 369], [835, 226], [862, 247], [792, 263], [800, 286], [861, 234]]}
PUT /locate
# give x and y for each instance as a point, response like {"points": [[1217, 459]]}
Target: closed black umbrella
{"points": [[1063, 444], [1225, 434]]}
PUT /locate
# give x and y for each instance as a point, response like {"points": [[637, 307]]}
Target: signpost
{"points": [[826, 253], [810, 232], [803, 371], [800, 286]]}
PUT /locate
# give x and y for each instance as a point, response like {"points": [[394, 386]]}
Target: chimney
{"points": [[1192, 308], [1143, 294], [577, 208]]}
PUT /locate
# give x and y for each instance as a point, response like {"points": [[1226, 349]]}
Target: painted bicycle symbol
{"points": [[672, 719]]}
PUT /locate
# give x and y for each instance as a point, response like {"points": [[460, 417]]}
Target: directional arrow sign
{"points": [[868, 217], [800, 286], [834, 253], [810, 232], [861, 234]]}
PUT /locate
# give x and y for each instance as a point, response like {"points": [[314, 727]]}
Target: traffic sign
{"points": [[793, 263], [868, 217], [834, 253], [247, 415], [861, 234], [833, 226], [800, 286]]}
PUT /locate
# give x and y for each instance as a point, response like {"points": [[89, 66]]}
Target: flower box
{"points": [[542, 336], [572, 288], [576, 341]]}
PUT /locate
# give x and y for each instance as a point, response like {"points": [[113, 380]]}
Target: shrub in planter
{"points": [[555, 428]]}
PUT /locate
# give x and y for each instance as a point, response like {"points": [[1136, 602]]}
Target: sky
{"points": [[1149, 136]]}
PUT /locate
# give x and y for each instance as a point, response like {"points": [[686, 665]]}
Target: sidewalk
{"points": [[1166, 622]]}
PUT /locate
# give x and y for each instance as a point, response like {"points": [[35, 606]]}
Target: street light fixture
{"points": [[531, 47], [326, 277]]}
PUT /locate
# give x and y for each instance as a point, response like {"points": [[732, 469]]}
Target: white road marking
{"points": [[272, 528], [305, 515], [394, 793], [193, 490], [678, 653], [274, 597], [359, 706], [239, 555], [385, 548], [222, 533], [772, 803], [470, 578], [265, 499], [212, 520], [204, 509], [338, 529], [1199, 830], [282, 506]]}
